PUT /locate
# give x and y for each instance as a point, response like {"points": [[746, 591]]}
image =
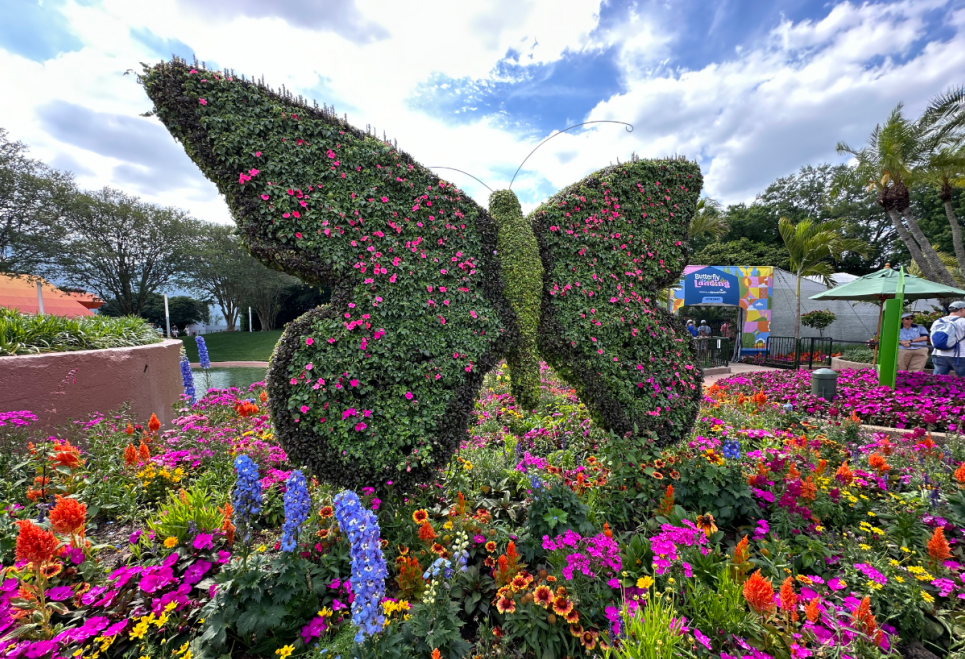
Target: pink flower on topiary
{"points": [[202, 101]]}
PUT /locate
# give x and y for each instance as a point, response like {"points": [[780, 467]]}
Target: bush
{"points": [[818, 319], [24, 334]]}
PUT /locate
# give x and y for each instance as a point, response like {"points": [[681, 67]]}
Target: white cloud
{"points": [[758, 113]]}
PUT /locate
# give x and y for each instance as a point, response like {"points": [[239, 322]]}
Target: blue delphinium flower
{"points": [[202, 352], [297, 503], [247, 496], [368, 564], [187, 378], [732, 449]]}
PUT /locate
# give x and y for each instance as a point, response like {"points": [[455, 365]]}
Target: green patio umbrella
{"points": [[883, 285], [880, 286]]}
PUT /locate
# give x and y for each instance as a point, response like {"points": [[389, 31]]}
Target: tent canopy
{"points": [[882, 285]]}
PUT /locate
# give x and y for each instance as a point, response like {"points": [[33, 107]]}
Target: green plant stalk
{"points": [[522, 273]]}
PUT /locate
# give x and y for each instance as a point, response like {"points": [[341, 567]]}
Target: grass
{"points": [[24, 334], [235, 346]]}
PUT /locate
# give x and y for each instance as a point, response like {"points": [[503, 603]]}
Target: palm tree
{"points": [[943, 167], [887, 163], [811, 247], [709, 220]]}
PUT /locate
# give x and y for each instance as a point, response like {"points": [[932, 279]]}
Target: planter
{"points": [[838, 364], [62, 386]]}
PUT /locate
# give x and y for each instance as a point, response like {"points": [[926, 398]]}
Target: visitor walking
{"points": [[692, 328], [727, 330], [948, 338], [912, 345]]}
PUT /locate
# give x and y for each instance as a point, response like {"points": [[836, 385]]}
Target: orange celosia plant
{"points": [[143, 452], [960, 473], [130, 455], [68, 517], [812, 610], [227, 526], [938, 547], [35, 545], [153, 424], [789, 599], [759, 594], [666, 506]]}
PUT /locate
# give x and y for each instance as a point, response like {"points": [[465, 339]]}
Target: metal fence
{"points": [[809, 352], [714, 351]]}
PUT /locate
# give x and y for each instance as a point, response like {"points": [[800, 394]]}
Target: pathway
{"points": [[736, 369], [233, 364]]}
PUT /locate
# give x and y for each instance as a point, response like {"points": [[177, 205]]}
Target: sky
{"points": [[751, 90]]}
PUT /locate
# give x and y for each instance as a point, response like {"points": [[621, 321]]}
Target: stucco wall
{"points": [[64, 386]]}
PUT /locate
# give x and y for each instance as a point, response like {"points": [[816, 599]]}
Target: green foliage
{"points": [[182, 515], [602, 329], [522, 273], [555, 509], [653, 630], [719, 489], [22, 334], [718, 607], [235, 346], [818, 319], [434, 624]]}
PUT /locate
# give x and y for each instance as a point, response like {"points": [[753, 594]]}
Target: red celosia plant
{"points": [[759, 594]]}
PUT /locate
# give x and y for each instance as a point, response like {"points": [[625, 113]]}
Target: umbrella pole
{"points": [[881, 310]]}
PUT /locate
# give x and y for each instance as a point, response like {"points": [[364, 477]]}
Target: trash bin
{"points": [[824, 383]]}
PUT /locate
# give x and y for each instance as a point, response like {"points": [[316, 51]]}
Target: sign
{"points": [[711, 286]]}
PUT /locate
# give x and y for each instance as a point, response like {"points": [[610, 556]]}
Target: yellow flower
{"points": [[874, 585], [325, 612], [864, 546], [447, 526], [871, 514], [262, 549], [170, 542], [285, 651], [467, 466], [899, 579], [906, 550], [140, 629], [170, 606], [645, 582], [927, 597], [161, 620]]}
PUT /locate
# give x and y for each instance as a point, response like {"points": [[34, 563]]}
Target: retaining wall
{"points": [[67, 386]]}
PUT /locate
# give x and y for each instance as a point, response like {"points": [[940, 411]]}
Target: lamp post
{"points": [[167, 315], [249, 320], [40, 298]]}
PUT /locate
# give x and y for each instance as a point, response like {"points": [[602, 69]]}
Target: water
{"points": [[224, 377]]}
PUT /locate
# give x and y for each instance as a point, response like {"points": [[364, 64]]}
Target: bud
{"points": [[551, 619]]}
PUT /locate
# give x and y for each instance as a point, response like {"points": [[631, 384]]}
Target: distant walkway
{"points": [[737, 369], [233, 365]]}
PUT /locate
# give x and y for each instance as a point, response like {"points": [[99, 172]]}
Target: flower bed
{"points": [[936, 401], [761, 536]]}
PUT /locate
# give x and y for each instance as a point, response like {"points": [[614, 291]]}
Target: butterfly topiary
{"points": [[429, 290]]}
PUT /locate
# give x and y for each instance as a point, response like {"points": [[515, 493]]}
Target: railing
{"points": [[714, 351], [809, 352]]}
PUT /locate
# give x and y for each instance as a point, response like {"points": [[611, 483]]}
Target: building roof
{"points": [[20, 292]]}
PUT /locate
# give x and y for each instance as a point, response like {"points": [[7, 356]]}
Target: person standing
{"points": [[948, 338], [692, 328], [912, 345]]}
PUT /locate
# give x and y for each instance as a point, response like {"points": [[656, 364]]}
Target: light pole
{"points": [[249, 320], [40, 298], [167, 315]]}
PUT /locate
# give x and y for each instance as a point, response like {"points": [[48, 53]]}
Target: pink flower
{"points": [[408, 395], [309, 341], [257, 154], [353, 383], [308, 366], [203, 541], [384, 199], [298, 235], [264, 197], [360, 426], [202, 101], [304, 409]]}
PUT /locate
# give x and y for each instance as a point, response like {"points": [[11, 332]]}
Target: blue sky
{"points": [[752, 90]]}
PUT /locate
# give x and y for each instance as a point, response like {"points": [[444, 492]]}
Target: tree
{"points": [[123, 248], [818, 319], [220, 268], [743, 252], [709, 220], [887, 163], [811, 247], [32, 196], [264, 290], [183, 309]]}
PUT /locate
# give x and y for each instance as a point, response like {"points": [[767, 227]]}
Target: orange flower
{"points": [[822, 467], [518, 582], [426, 533], [741, 552], [35, 545], [573, 617], [490, 546], [420, 516], [812, 611], [576, 630], [808, 489], [263, 397], [129, 430], [706, 524], [789, 598], [506, 604], [606, 530], [439, 549], [657, 475], [862, 618], [759, 593], [543, 596], [227, 526], [153, 424], [960, 473], [562, 605], [666, 506], [844, 473], [143, 452], [793, 474], [435, 651], [66, 455], [130, 455], [325, 512], [878, 463], [588, 639], [68, 516], [511, 550], [938, 547]]}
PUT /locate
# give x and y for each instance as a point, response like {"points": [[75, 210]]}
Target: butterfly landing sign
{"points": [[429, 290], [711, 287]]}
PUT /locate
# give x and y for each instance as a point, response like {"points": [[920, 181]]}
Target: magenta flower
{"points": [[203, 541], [202, 101]]}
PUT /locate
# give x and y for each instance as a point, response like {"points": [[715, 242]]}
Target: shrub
{"points": [[24, 334], [818, 319]]}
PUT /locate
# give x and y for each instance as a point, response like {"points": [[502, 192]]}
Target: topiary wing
{"points": [[378, 385], [608, 244]]}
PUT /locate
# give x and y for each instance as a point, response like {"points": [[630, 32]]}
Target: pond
{"points": [[224, 377]]}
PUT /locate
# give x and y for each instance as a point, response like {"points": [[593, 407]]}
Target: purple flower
{"points": [[196, 572], [703, 640], [203, 541], [60, 593]]}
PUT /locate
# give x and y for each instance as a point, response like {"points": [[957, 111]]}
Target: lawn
{"points": [[235, 346]]}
